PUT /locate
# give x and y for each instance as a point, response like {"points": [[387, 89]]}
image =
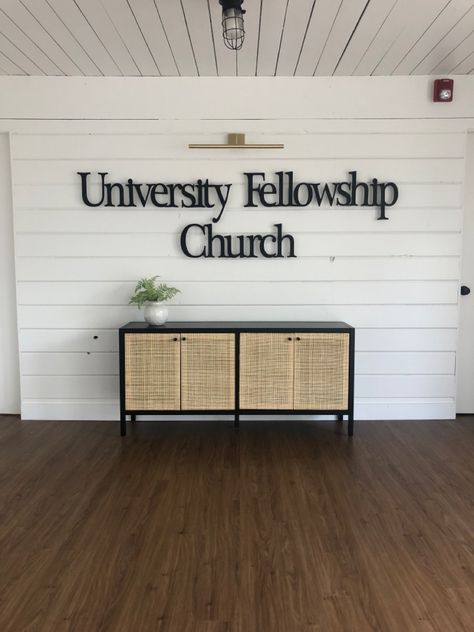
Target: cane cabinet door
{"points": [[321, 371], [266, 371], [152, 371], [208, 371]]}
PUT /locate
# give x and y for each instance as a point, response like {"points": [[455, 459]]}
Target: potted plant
{"points": [[151, 294]]}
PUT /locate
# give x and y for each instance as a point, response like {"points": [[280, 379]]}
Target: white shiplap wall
{"points": [[396, 281]]}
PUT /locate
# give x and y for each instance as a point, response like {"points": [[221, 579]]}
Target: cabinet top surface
{"points": [[238, 326]]}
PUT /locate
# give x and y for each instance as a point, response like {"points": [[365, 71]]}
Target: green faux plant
{"points": [[149, 291]]}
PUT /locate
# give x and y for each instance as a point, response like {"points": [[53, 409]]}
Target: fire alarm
{"points": [[443, 90]]}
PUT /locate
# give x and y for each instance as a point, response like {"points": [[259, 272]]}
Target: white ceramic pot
{"points": [[156, 314]]}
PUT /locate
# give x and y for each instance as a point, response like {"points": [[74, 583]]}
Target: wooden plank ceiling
{"points": [[283, 37]]}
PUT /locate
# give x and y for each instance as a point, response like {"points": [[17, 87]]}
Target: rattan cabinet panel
{"points": [[266, 371], [208, 371], [152, 372], [321, 371]]}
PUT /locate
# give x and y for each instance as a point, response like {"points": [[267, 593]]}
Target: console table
{"points": [[237, 368]]}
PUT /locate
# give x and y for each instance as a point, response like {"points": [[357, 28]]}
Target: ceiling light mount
{"points": [[236, 141], [233, 30]]}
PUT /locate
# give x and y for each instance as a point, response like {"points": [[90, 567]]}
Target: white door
{"points": [[9, 371], [465, 355]]}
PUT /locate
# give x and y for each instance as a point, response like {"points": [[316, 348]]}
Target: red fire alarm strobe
{"points": [[443, 90]]}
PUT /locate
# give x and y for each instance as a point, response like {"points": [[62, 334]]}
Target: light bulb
{"points": [[445, 95]]}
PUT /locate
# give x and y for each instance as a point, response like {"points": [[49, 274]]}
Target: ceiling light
{"points": [[233, 23]]}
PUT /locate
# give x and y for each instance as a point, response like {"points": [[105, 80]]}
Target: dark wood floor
{"points": [[192, 527]]}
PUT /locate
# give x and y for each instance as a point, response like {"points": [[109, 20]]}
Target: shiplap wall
{"points": [[396, 281]]}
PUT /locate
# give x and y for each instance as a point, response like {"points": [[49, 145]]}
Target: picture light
{"points": [[236, 141]]}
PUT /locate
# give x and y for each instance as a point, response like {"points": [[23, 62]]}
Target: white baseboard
{"points": [[108, 410]]}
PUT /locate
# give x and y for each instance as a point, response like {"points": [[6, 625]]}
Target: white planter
{"points": [[156, 314]]}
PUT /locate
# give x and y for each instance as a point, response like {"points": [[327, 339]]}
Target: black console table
{"points": [[237, 368]]}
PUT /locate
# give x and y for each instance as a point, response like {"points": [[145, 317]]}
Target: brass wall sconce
{"points": [[236, 141]]}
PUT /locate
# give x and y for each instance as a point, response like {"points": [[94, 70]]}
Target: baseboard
{"points": [[108, 410]]}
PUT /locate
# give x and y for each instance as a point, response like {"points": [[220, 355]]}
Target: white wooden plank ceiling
{"points": [[283, 37]]}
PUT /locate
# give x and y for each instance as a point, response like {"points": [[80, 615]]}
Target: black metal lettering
{"points": [[184, 245]]}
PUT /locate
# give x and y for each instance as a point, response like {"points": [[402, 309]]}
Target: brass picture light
{"points": [[236, 141]]}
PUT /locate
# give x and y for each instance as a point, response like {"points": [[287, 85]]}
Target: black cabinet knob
{"points": [[175, 339], [183, 338], [298, 338], [290, 338], [465, 290]]}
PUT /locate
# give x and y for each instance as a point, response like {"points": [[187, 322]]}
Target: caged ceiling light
{"points": [[233, 30]]}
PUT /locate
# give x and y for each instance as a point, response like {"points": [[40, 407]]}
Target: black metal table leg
{"points": [[236, 420], [340, 417], [123, 425], [350, 427]]}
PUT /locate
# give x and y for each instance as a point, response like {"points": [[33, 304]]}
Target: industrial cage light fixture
{"points": [[233, 30]]}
